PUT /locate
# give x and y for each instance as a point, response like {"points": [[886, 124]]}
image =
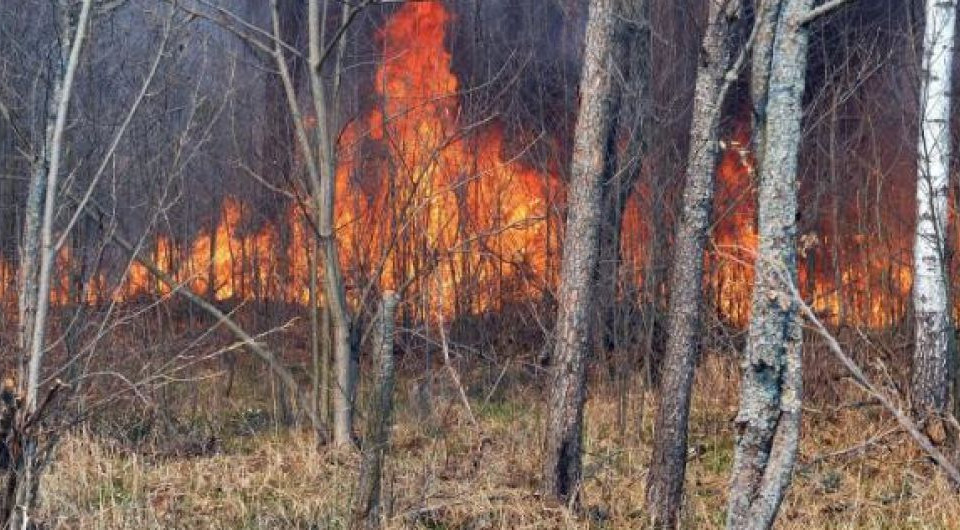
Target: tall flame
{"points": [[426, 199]]}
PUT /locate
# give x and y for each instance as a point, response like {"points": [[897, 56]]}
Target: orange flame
{"points": [[451, 209]]}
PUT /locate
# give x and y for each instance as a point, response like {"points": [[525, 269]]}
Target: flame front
{"points": [[450, 209]]}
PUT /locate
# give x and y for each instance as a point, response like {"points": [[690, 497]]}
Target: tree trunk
{"points": [[33, 209], [767, 15], [768, 420], [47, 250], [22, 480], [317, 368], [629, 110], [326, 386], [366, 507], [562, 458], [275, 157], [323, 189], [933, 323], [668, 463]]}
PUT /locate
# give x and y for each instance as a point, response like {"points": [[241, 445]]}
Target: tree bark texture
{"points": [[668, 464], [323, 191], [768, 420], [366, 507], [33, 209], [562, 457], [630, 108], [47, 250], [933, 324]]}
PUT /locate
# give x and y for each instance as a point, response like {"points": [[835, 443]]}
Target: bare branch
{"points": [[861, 379], [822, 10]]}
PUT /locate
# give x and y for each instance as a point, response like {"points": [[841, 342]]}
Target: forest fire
{"points": [[846, 281], [426, 199]]}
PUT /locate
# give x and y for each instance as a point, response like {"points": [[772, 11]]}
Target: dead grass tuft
{"points": [[444, 474]]}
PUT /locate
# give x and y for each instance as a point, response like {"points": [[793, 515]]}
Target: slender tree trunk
{"points": [[366, 507], [47, 251], [931, 354], [668, 462], [562, 459], [323, 184], [767, 15], [320, 157], [768, 421], [33, 209], [317, 372], [326, 385], [626, 145], [23, 479]]}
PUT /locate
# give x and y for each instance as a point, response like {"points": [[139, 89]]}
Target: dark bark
{"points": [[366, 507], [562, 458], [668, 463], [626, 146]]}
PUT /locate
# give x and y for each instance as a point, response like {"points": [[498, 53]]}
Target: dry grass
{"points": [[442, 475]]}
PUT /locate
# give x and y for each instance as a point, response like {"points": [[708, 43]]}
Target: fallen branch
{"points": [[858, 448]]}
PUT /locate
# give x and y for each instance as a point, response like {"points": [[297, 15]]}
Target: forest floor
{"points": [[444, 472]]}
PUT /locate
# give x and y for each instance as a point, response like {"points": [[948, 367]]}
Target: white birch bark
{"points": [[930, 372]]}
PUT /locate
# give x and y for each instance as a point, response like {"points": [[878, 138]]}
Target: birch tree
{"points": [[931, 310], [768, 421], [714, 75], [562, 457]]}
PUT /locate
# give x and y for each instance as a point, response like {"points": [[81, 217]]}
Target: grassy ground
{"points": [[445, 473]]}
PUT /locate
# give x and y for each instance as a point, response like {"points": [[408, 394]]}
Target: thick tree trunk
{"points": [[562, 458], [366, 506], [933, 323], [668, 463], [768, 421]]}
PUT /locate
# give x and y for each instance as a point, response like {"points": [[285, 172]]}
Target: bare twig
{"points": [[285, 375], [860, 378]]}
